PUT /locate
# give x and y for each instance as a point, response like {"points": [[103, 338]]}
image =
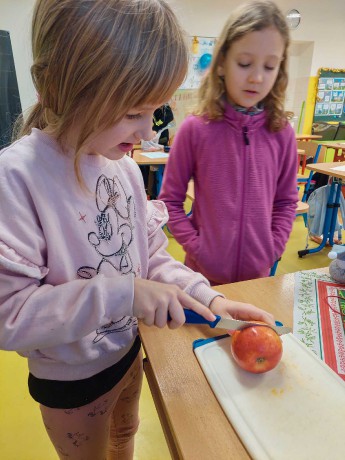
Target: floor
{"points": [[22, 435]]}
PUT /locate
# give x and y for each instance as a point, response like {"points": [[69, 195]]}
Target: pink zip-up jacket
{"points": [[68, 257], [245, 194]]}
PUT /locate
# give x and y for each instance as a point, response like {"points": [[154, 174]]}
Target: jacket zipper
{"points": [[245, 135], [246, 142]]}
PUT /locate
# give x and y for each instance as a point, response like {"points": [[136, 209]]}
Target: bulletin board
{"points": [[201, 49], [330, 103]]}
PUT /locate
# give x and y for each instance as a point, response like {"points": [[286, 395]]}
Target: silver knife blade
{"points": [[236, 324]]}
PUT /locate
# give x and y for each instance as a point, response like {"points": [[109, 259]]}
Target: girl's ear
{"points": [[220, 71], [220, 67]]}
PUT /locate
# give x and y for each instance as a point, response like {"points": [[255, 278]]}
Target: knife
{"points": [[231, 324]]}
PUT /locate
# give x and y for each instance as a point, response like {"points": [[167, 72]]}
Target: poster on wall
{"points": [[330, 97], [201, 55]]}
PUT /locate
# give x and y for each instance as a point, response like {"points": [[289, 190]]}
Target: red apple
{"points": [[256, 349]]}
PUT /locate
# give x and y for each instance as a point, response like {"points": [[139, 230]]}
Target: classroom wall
{"points": [[318, 42], [322, 23]]}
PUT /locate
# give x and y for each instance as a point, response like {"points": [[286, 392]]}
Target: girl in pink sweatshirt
{"points": [[241, 152], [82, 253]]}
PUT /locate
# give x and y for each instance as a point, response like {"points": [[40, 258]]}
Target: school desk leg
{"points": [[159, 177]]}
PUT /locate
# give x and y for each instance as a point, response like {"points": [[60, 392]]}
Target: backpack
{"points": [[317, 201], [161, 119], [318, 180]]}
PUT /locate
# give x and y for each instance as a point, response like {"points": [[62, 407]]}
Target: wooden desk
{"points": [[339, 150], [194, 424], [307, 137], [334, 145], [160, 163], [141, 159], [327, 168]]}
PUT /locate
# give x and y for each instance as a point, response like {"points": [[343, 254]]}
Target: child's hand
{"points": [[153, 301], [239, 310]]}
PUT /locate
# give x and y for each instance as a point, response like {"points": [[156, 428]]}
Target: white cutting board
{"points": [[294, 412]]}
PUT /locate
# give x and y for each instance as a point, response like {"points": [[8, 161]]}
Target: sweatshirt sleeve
{"points": [[177, 174], [164, 268], [286, 197], [37, 315]]}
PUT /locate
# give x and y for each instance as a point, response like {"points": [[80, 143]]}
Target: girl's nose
{"points": [[144, 129], [256, 76], [151, 134]]}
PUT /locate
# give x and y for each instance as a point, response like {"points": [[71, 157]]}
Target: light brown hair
{"points": [[250, 17], [94, 60]]}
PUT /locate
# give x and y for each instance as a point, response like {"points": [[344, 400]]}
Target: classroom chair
{"points": [[317, 152], [321, 150]]}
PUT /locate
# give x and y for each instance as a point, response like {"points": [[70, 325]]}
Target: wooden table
{"points": [[332, 204], [307, 137], [142, 160], [193, 422], [339, 150], [327, 168]]}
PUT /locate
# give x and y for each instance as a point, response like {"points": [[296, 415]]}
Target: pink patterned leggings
{"points": [[103, 429]]}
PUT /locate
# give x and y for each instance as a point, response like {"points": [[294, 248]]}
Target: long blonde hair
{"points": [[250, 17], [93, 60]]}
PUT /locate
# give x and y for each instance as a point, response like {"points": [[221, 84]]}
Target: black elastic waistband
{"points": [[70, 394]]}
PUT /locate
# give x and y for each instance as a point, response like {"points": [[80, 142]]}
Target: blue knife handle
{"points": [[195, 318]]}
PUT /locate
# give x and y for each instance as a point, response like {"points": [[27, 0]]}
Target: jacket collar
{"points": [[240, 119]]}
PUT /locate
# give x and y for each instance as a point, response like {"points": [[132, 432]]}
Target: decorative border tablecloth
{"points": [[317, 321]]}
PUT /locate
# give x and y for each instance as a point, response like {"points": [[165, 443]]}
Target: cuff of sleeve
{"points": [[118, 296], [204, 294]]}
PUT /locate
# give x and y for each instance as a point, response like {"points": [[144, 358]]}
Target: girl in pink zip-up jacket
{"points": [[82, 252], [241, 153]]}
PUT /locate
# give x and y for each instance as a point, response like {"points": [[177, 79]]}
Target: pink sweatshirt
{"points": [[68, 258], [245, 194]]}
